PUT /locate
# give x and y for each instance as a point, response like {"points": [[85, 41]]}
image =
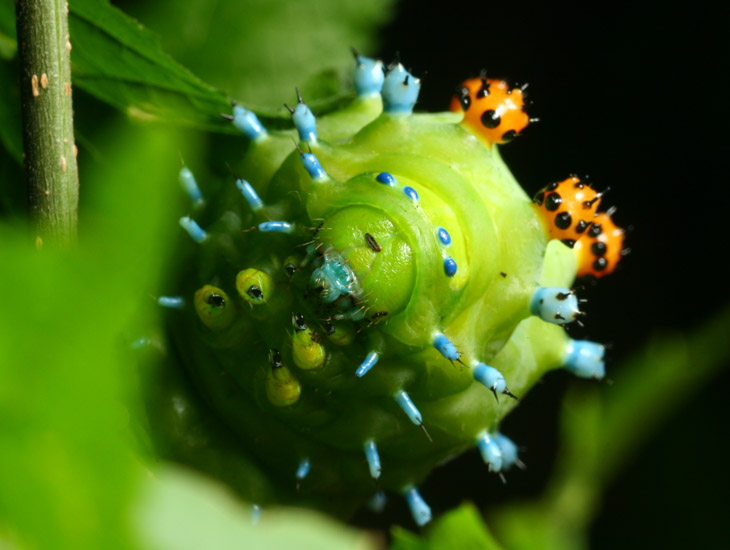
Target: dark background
{"points": [[636, 98]]}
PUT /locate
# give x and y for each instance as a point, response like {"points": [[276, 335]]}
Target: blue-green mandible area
{"points": [[366, 299]]}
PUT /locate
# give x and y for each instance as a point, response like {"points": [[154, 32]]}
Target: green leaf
{"points": [[461, 528], [181, 510], [119, 61], [66, 461], [259, 49]]}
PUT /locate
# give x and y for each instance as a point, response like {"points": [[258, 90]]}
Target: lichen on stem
{"points": [[48, 135]]}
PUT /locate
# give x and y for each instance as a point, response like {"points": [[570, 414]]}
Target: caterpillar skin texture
{"points": [[365, 305]]}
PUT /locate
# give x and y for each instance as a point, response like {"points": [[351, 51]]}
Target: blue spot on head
{"points": [[385, 178], [444, 236], [449, 267], [411, 193]]}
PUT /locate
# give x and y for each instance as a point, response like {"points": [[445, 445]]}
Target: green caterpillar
{"points": [[354, 312]]}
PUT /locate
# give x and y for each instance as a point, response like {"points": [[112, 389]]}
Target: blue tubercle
{"points": [[250, 194], [193, 229], [585, 359], [446, 347], [377, 502], [369, 76], [419, 509], [247, 122], [555, 305], [313, 167], [509, 451], [367, 364], [172, 302], [411, 193], [373, 458], [255, 514], [405, 403], [304, 120], [386, 179], [491, 453], [187, 180], [276, 227], [490, 377], [449, 266], [400, 91], [303, 469], [444, 236]]}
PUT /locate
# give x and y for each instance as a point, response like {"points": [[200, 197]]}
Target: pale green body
{"points": [[502, 255]]}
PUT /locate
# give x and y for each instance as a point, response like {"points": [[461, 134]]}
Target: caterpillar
{"points": [[369, 298]]}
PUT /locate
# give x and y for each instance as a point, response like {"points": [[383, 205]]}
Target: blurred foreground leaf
{"points": [[461, 528], [181, 510], [67, 468]]}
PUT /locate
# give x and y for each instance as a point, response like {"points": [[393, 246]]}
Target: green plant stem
{"points": [[48, 136]]}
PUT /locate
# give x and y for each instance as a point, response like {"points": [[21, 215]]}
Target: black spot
{"points": [[275, 358], [378, 315], [563, 220], [562, 296], [581, 226], [509, 135], [255, 292], [599, 248], [569, 242], [298, 320], [595, 230], [539, 197], [552, 187], [372, 243], [579, 185], [600, 264], [484, 90], [464, 99], [490, 119], [215, 300], [553, 201], [502, 273], [290, 269]]}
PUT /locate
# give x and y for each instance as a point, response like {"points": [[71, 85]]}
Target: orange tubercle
{"points": [[600, 250], [567, 209], [493, 111]]}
